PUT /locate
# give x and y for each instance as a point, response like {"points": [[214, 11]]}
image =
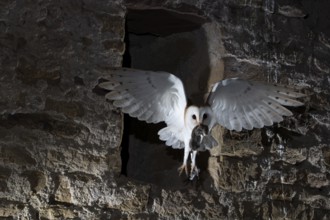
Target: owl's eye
{"points": [[205, 116], [193, 117]]}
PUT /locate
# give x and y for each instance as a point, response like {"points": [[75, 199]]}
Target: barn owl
{"points": [[234, 103]]}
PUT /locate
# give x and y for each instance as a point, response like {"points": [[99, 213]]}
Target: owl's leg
{"points": [[185, 158], [194, 170], [193, 159]]}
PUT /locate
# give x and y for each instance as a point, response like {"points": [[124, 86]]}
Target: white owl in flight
{"points": [[233, 103]]}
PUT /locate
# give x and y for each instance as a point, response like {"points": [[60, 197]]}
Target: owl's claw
{"points": [[194, 172], [183, 167]]}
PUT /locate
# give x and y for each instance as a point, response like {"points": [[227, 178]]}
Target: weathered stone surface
{"points": [[316, 201], [63, 193], [4, 175], [289, 211], [18, 189], [237, 176], [60, 140], [187, 205], [16, 156], [69, 109], [38, 180], [57, 212], [52, 125], [87, 163], [289, 155], [130, 198], [318, 180], [326, 155], [14, 211], [243, 144]]}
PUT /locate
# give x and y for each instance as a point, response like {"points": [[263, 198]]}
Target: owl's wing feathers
{"points": [[237, 103], [152, 97]]}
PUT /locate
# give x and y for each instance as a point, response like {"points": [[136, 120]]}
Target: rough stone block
{"points": [[190, 205], [289, 155], [234, 175], [16, 155], [130, 198], [69, 109], [72, 160], [14, 211], [63, 191], [316, 201], [57, 212], [317, 180], [244, 144], [38, 180]]}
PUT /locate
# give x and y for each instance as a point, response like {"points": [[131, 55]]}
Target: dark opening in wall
{"points": [[163, 40]]}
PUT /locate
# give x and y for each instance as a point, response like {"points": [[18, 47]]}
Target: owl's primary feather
{"points": [[152, 97], [238, 104], [233, 103]]}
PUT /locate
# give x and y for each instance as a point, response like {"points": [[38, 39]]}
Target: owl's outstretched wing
{"points": [[238, 103], [149, 96]]}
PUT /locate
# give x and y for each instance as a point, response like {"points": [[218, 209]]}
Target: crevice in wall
{"points": [[124, 154]]}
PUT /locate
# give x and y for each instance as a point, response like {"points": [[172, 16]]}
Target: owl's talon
{"points": [[183, 167], [194, 172]]}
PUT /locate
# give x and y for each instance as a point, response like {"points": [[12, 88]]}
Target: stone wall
{"points": [[60, 140]]}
